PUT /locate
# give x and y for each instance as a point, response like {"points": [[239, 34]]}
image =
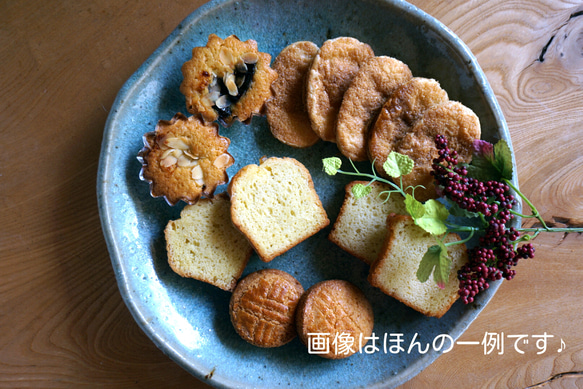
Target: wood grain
{"points": [[540, 99], [62, 320]]}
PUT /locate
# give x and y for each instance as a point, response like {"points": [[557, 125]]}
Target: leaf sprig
{"points": [[431, 215], [479, 197]]}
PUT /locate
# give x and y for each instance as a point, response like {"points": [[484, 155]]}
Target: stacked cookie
{"points": [[368, 105]]}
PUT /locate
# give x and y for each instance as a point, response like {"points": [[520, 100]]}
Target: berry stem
{"points": [[551, 229], [533, 209], [472, 230], [536, 214]]}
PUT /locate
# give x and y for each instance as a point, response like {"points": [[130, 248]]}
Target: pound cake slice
{"points": [[395, 270], [203, 244], [275, 205], [361, 226]]}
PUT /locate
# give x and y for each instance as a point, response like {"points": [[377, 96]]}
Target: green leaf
{"points": [[331, 165], [430, 216], [398, 165], [503, 159], [433, 221], [428, 262], [482, 169], [360, 190], [435, 260], [485, 167], [414, 207]]}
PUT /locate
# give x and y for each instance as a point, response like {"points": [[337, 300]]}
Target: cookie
{"points": [[374, 83], [227, 80], [399, 115], [337, 313], [263, 305], [184, 159], [329, 77], [460, 126], [286, 111]]}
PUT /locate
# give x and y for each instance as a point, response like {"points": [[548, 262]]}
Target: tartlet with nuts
{"points": [[227, 80], [185, 159]]}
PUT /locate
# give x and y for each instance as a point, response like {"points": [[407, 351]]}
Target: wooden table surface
{"points": [[63, 322]]}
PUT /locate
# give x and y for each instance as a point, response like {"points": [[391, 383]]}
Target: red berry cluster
{"points": [[496, 254]]}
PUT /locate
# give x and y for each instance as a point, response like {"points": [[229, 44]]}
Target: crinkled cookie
{"points": [[227, 80], [400, 114], [335, 312], [329, 77], [374, 83], [286, 111], [263, 306], [184, 159]]}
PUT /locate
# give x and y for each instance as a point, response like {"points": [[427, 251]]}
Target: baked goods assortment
{"points": [[340, 92]]}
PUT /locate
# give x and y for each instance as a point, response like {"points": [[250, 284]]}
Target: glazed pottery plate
{"points": [[189, 320]]}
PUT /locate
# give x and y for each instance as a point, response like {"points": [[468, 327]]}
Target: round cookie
{"points": [[286, 111], [399, 114], [331, 73], [374, 83], [227, 80], [184, 159], [337, 312], [458, 123], [263, 305]]}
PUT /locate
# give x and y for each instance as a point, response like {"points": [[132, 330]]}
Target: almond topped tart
{"points": [[227, 80], [184, 159]]}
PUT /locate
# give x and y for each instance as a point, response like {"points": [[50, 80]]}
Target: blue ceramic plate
{"points": [[187, 319]]}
